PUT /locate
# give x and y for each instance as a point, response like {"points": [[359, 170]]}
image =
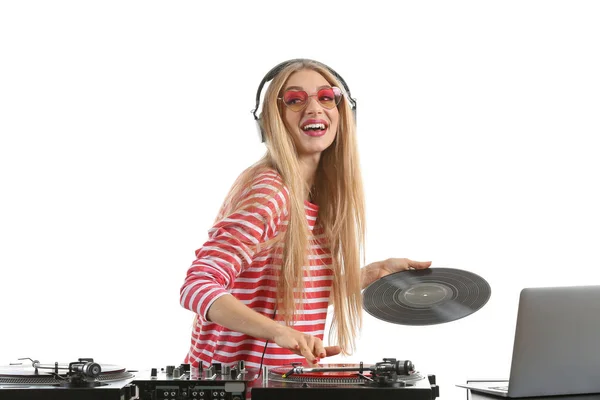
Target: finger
{"points": [[320, 351], [419, 264], [316, 347], [310, 357], [307, 353], [294, 349], [332, 350]]}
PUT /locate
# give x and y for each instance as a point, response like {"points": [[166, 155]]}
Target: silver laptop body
{"points": [[557, 344]]}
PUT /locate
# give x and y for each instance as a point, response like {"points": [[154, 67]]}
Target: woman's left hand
{"points": [[379, 269]]}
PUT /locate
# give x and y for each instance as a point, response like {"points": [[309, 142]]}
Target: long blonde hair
{"points": [[338, 191]]}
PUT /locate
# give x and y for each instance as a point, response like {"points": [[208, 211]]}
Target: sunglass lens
{"points": [[295, 100], [329, 97]]}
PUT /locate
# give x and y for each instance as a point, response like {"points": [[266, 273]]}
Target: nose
{"points": [[313, 106]]}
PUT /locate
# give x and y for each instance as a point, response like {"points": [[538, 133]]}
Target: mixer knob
{"points": [[217, 367], [185, 368]]}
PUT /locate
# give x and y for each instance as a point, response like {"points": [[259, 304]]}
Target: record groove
{"points": [[426, 297]]}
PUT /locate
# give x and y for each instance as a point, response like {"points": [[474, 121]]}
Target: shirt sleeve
{"points": [[233, 241]]}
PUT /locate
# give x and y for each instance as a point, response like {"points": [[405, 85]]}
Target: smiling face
{"points": [[313, 129]]}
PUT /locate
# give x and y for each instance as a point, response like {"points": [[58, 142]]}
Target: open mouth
{"points": [[314, 128]]}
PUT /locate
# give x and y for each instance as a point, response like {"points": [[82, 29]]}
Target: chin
{"points": [[311, 155], [317, 146]]}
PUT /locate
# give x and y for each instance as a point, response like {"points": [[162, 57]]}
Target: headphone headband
{"points": [[277, 69]]}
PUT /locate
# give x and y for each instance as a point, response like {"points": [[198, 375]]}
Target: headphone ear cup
{"points": [[259, 129]]}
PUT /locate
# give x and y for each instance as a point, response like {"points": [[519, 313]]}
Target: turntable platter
{"points": [[280, 371], [48, 369], [45, 374], [339, 377]]}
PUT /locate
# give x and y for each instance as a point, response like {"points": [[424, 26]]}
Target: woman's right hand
{"points": [[231, 313], [305, 345]]}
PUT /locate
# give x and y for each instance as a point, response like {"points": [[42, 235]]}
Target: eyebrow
{"points": [[301, 88]]}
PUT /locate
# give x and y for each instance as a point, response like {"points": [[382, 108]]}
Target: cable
{"points": [[266, 344]]}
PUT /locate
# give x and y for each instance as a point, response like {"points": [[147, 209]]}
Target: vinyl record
{"points": [[426, 297]]}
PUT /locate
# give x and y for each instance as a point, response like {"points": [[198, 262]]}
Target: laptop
{"points": [[557, 345]]}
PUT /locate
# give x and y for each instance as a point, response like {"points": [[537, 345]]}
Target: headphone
{"points": [[276, 70]]}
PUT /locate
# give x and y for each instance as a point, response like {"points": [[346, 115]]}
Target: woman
{"points": [[288, 240]]}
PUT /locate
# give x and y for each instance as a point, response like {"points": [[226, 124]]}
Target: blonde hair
{"points": [[338, 191]]}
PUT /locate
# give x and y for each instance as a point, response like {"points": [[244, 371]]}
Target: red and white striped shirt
{"points": [[229, 264]]}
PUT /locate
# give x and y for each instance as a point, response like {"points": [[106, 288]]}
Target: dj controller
{"points": [[88, 380]]}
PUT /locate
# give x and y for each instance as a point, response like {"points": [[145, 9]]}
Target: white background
{"points": [[124, 123]]}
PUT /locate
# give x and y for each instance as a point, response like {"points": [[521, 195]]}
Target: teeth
{"points": [[314, 126]]}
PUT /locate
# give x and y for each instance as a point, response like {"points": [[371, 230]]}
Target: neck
{"points": [[308, 170]]}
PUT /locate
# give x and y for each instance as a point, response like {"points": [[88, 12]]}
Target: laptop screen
{"points": [[557, 342]]}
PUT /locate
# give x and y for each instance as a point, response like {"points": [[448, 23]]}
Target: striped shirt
{"points": [[228, 263]]}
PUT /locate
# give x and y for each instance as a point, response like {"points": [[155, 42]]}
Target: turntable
{"points": [[82, 380], [390, 378]]}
